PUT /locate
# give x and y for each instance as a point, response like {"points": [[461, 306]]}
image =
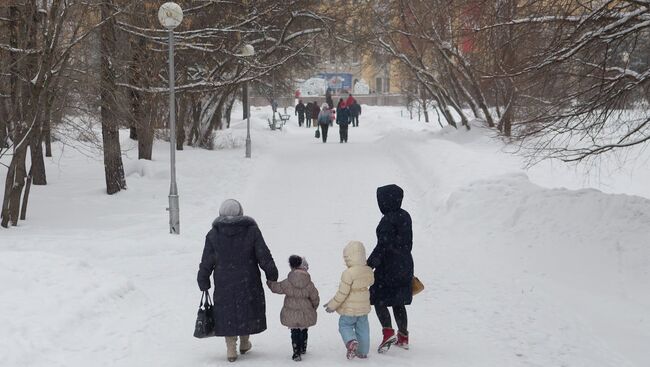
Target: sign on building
{"points": [[337, 81]]}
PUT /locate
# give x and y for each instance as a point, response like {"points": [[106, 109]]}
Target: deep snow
{"points": [[518, 270]]}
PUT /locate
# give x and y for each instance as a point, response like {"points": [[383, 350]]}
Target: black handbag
{"points": [[317, 133], [204, 326]]}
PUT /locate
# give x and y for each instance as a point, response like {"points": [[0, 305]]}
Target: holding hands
{"points": [[327, 309]]}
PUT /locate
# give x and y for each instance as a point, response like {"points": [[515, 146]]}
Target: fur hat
{"points": [[298, 262]]}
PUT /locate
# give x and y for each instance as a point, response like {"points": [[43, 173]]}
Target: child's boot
{"points": [[303, 348], [296, 344], [388, 340], [402, 340], [352, 346]]}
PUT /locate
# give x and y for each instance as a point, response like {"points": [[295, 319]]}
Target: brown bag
{"points": [[417, 285]]}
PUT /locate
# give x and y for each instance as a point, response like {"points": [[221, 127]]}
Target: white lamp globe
{"points": [[170, 15], [247, 50]]}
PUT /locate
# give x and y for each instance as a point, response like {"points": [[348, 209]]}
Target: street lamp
{"points": [[170, 16], [247, 51]]}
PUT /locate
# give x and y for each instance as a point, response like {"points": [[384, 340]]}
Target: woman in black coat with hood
{"points": [[234, 252], [393, 264]]}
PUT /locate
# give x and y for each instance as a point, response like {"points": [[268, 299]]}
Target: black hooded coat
{"points": [[391, 259], [234, 252]]}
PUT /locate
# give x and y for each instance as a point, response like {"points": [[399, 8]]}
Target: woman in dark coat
{"points": [[343, 120], [234, 252], [393, 264]]}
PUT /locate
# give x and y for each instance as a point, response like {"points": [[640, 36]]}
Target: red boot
{"points": [[388, 340], [402, 340], [351, 347]]}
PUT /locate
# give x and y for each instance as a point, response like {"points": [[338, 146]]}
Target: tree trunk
{"points": [[135, 78], [37, 170], [215, 121], [28, 187], [196, 122], [423, 101], [145, 137], [113, 167], [509, 61], [4, 118], [47, 137], [425, 111], [231, 102], [14, 184], [135, 114]]}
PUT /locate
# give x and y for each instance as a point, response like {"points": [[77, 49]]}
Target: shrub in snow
{"points": [[225, 139]]}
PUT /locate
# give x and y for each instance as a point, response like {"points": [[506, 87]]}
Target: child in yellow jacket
{"points": [[352, 301]]}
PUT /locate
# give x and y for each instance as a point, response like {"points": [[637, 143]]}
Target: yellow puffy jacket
{"points": [[353, 297]]}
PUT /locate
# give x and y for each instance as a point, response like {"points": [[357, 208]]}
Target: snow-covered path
{"points": [[119, 291]]}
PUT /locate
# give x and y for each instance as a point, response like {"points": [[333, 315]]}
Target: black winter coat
{"points": [[300, 109], [391, 258], [342, 116], [355, 110], [234, 252], [309, 108]]}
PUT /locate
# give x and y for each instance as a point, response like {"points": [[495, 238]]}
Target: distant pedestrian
{"points": [[300, 303], [315, 110], [355, 112], [350, 100], [309, 108], [300, 111], [328, 97], [325, 118], [343, 120]]}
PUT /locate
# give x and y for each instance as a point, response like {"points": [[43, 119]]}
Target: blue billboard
{"points": [[337, 80]]}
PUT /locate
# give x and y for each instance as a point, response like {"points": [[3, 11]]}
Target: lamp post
{"points": [[247, 51], [170, 16]]}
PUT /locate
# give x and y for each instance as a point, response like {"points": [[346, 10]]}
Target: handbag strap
{"points": [[208, 300]]}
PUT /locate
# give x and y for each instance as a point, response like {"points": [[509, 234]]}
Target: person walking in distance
{"points": [[325, 118], [343, 120], [355, 112], [300, 111], [328, 97], [309, 108], [315, 110]]}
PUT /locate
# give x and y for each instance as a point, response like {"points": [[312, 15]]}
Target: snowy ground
{"points": [[519, 271]]}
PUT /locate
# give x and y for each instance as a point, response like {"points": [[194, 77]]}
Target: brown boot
{"points": [[231, 345], [244, 344]]}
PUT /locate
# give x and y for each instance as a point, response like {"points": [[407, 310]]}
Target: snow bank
{"points": [[54, 305], [586, 251]]}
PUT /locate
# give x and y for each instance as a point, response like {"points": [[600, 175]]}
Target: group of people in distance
{"points": [[235, 251], [347, 112]]}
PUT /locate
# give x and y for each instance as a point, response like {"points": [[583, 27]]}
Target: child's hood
{"points": [[354, 254], [299, 278]]}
